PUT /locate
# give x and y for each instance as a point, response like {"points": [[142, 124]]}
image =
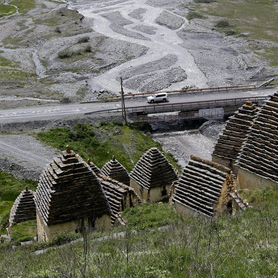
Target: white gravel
{"points": [[165, 41], [24, 155]]}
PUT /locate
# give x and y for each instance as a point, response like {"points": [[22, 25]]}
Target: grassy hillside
{"points": [[241, 246], [257, 19], [23, 7], [99, 144], [10, 188]]}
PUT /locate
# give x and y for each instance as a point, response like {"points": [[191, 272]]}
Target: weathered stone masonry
{"points": [[153, 176], [235, 132], [258, 159], [68, 197]]}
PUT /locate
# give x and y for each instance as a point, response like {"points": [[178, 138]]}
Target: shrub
{"points": [[65, 54], [65, 100], [193, 14], [222, 24], [204, 1], [84, 40]]}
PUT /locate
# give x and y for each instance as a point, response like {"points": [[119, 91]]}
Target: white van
{"points": [[162, 97]]}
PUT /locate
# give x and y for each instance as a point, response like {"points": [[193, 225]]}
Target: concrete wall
{"points": [[249, 180]]}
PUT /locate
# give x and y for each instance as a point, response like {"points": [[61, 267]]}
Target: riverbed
{"points": [[199, 142]]}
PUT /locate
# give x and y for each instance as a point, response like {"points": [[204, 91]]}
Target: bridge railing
{"points": [[185, 106], [189, 106]]}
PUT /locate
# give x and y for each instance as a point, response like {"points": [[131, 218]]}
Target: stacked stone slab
{"points": [[119, 196], [23, 209], [258, 159], [153, 176], [69, 197], [203, 188], [116, 171], [230, 141], [94, 168]]}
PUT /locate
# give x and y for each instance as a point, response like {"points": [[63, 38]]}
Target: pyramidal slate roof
{"points": [[94, 168], [200, 185], [118, 196], [153, 170], [69, 190], [259, 153], [230, 141], [24, 208], [115, 170]]}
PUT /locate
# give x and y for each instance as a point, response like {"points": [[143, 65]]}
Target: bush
{"points": [[84, 40], [65, 100], [222, 24], [63, 239], [88, 48], [204, 1], [192, 14], [65, 54]]}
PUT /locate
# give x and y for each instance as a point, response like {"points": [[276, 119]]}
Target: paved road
{"points": [[71, 110]]}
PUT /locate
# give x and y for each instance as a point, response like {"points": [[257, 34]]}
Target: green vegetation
{"points": [[99, 144], [23, 7], [75, 53], [10, 72], [6, 63], [242, 246], [10, 188], [193, 14], [6, 10], [15, 75], [257, 19], [154, 215], [24, 231]]}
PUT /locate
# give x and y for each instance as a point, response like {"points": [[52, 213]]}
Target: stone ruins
{"points": [[93, 167], [73, 195], [115, 170], [230, 141], [207, 188], [69, 198], [258, 158], [119, 196], [23, 209], [152, 176]]}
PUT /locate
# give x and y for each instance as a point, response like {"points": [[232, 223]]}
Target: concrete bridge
{"points": [[209, 109]]}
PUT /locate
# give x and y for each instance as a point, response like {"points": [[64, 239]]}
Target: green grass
{"points": [[257, 18], [154, 215], [24, 231], [9, 72], [6, 10], [6, 63], [13, 74], [100, 143], [242, 246], [23, 7], [10, 188]]}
